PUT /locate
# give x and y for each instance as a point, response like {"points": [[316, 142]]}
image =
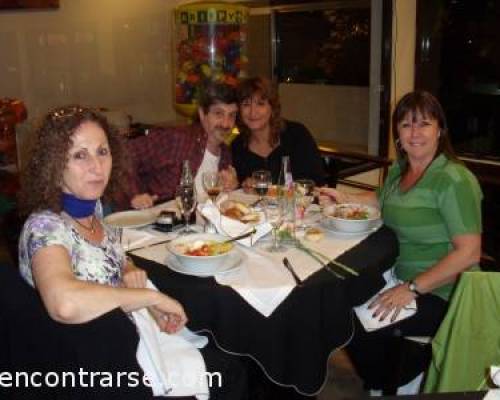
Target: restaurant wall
{"points": [[335, 114], [103, 53]]}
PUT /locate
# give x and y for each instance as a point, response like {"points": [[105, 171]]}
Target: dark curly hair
{"points": [[267, 91], [41, 181]]}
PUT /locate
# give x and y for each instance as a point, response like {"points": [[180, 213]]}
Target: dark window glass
{"points": [[324, 46]]}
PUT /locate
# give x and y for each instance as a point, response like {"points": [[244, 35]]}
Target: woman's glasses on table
{"points": [[261, 182], [186, 202]]}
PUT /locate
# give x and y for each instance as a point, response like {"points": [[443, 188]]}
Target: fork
{"points": [[289, 267]]}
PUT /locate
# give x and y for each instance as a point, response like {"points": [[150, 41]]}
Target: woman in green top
{"points": [[433, 203]]}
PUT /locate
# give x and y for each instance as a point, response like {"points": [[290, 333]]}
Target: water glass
{"points": [[304, 196], [186, 202], [274, 215]]}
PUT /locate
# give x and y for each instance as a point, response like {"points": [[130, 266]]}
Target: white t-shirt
{"points": [[209, 163]]}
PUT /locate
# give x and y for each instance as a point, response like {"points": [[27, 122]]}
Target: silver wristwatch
{"points": [[413, 288]]}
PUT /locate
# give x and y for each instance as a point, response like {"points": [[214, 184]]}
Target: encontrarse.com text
{"points": [[93, 379]]}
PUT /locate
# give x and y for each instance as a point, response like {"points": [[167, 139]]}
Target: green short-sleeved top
{"points": [[444, 203]]}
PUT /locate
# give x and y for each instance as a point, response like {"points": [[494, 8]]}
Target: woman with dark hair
{"points": [[433, 203], [266, 137], [68, 254]]}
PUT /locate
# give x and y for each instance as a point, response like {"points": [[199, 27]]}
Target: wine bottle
{"points": [[287, 194], [186, 175]]}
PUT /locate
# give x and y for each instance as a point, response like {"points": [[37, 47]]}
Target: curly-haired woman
{"points": [[65, 251], [266, 137]]}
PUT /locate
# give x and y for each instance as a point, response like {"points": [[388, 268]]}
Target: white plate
{"points": [[130, 219], [328, 225], [232, 262]]}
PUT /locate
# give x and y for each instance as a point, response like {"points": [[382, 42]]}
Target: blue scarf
{"points": [[77, 208]]}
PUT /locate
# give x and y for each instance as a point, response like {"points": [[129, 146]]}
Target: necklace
{"points": [[90, 228]]}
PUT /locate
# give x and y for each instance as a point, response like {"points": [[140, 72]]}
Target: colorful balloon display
{"points": [[210, 45]]}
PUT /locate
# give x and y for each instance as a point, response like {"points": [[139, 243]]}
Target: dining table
{"points": [[291, 339]]}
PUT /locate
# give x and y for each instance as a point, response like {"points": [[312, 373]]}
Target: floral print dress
{"points": [[95, 262]]}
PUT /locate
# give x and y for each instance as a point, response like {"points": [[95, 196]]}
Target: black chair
{"points": [[30, 341]]}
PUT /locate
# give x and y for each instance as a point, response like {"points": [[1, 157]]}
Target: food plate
{"points": [[230, 263], [328, 225], [130, 219]]}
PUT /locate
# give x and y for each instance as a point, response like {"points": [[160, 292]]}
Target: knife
{"points": [[149, 245], [289, 267]]}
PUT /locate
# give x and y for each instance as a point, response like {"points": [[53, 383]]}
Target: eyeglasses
{"points": [[66, 112]]}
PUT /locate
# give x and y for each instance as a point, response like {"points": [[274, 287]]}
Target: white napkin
{"points": [[495, 374], [230, 227], [132, 238], [172, 362], [261, 281], [492, 394], [366, 316]]}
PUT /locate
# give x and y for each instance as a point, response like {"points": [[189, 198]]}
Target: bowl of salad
{"points": [[352, 218], [202, 252]]}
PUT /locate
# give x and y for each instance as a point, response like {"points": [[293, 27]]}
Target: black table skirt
{"points": [[292, 344]]}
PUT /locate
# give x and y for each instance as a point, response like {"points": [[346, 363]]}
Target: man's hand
{"points": [[248, 185], [144, 200], [229, 178]]}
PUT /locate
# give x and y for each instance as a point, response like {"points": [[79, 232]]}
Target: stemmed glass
{"points": [[274, 215], [261, 182], [186, 201], [304, 189], [212, 184]]}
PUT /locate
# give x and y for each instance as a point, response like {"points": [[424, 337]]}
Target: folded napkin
{"points": [[492, 394], [134, 239], [263, 282], [365, 315], [230, 227], [495, 374], [172, 362]]}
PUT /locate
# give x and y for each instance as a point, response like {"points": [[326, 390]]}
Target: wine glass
{"points": [[261, 182], [304, 189], [212, 184], [274, 215], [186, 202]]}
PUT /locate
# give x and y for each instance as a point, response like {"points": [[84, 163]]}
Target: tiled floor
{"points": [[343, 382]]}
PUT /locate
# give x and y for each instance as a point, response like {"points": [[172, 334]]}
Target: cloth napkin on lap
{"points": [[172, 362], [230, 227], [365, 315]]}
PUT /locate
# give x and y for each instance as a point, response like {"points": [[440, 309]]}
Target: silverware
{"points": [[289, 267], [254, 204], [242, 236], [150, 245]]}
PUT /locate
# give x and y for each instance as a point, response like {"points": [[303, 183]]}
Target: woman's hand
{"points": [[248, 185], [392, 301], [229, 178], [329, 195], [144, 200], [134, 277], [169, 314]]}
